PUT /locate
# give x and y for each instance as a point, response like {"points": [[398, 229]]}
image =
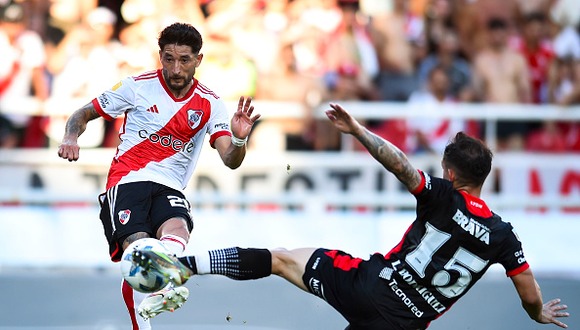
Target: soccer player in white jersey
{"points": [[167, 114], [451, 244]]}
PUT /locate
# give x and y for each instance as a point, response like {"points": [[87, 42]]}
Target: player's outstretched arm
{"points": [[75, 126], [391, 157], [531, 297], [232, 151]]}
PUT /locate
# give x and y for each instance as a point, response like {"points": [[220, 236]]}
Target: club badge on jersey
{"points": [[194, 118]]}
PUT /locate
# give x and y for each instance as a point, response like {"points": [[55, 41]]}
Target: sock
{"points": [[132, 300], [174, 244], [235, 263]]}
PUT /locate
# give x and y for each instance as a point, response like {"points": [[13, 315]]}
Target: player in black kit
{"points": [[451, 244]]}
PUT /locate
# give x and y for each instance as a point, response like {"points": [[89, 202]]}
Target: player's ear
{"points": [[451, 174], [198, 59]]}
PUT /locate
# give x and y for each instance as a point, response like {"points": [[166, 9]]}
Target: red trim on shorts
{"points": [[343, 262], [127, 291], [116, 254], [518, 270]]}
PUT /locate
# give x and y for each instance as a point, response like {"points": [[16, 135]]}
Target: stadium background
{"points": [[290, 192]]}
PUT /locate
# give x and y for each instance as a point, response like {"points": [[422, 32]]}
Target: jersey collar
{"points": [[164, 84], [476, 206]]}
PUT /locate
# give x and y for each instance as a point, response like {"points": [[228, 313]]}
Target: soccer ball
{"points": [[136, 276]]}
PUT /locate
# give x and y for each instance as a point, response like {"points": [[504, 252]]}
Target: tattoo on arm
{"points": [[392, 158], [77, 122]]}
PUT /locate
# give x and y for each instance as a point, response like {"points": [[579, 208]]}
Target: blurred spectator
{"points": [[501, 76], [351, 65], [547, 139], [285, 83], [89, 62], [432, 134], [537, 50], [138, 53], [21, 70], [397, 32], [351, 61], [92, 57], [221, 64], [565, 84], [438, 22], [458, 70], [471, 18]]}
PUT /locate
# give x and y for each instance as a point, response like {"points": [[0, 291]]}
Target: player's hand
{"points": [[342, 120], [243, 121], [551, 311], [69, 150]]}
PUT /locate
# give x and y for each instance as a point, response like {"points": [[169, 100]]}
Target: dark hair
{"points": [[470, 158], [497, 23], [535, 16], [181, 34]]}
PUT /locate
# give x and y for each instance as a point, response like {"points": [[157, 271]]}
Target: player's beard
{"points": [[177, 83]]}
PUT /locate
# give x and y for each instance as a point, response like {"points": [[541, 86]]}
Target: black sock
{"points": [[241, 264], [189, 262]]}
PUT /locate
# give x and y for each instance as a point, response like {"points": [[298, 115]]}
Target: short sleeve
{"points": [[512, 255], [219, 122], [117, 100]]}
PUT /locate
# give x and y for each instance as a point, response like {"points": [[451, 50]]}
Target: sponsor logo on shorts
{"points": [[194, 118], [316, 287], [124, 216]]}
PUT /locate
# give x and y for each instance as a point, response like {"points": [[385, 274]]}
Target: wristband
{"points": [[239, 142]]}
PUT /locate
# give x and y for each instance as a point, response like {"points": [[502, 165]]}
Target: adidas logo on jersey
{"points": [[153, 109]]}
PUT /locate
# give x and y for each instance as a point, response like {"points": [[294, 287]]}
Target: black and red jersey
{"points": [[447, 249]]}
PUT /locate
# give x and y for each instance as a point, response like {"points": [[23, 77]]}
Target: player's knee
{"points": [[174, 226]]}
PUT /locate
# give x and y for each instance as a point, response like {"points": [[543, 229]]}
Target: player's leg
{"points": [[131, 297], [290, 264], [124, 212], [171, 220]]}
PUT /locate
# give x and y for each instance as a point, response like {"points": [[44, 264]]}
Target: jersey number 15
{"points": [[462, 261]]}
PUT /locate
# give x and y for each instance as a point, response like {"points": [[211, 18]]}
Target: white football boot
{"points": [[166, 300], [174, 295]]}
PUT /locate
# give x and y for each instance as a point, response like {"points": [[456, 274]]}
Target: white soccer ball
{"points": [[136, 276]]}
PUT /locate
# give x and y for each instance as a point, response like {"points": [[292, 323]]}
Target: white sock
{"points": [[202, 263], [132, 300], [174, 244]]}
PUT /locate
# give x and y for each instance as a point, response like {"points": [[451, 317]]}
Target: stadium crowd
{"points": [[308, 52]]}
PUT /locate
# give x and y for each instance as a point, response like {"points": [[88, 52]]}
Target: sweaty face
{"points": [[179, 64]]}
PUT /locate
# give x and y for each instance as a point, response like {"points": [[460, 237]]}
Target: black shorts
{"points": [[139, 207], [353, 287]]}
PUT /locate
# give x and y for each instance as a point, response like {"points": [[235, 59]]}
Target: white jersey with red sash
{"points": [[162, 136]]}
